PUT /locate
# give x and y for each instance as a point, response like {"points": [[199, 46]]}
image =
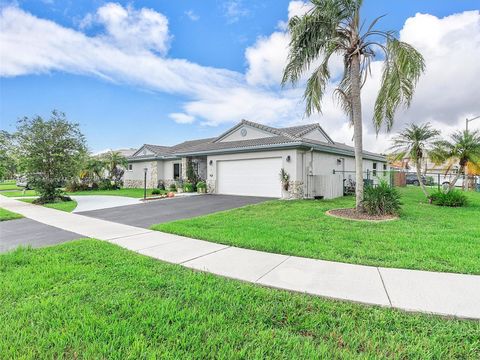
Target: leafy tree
{"points": [[8, 163], [333, 27], [192, 175], [414, 142], [463, 147], [50, 152], [115, 164]]}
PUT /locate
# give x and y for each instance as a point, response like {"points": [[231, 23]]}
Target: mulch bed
{"points": [[351, 214]]}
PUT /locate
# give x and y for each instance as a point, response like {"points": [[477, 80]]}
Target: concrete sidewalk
{"points": [[429, 292]]}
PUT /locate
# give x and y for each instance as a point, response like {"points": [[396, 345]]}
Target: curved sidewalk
{"points": [[411, 290]]}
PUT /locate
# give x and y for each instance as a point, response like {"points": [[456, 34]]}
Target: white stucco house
{"points": [[247, 159]]}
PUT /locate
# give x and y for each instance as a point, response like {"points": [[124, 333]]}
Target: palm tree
{"points": [[463, 147], [414, 142], [93, 169], [334, 27], [114, 161]]}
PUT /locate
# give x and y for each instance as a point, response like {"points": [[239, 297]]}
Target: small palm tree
{"points": [[114, 162], [414, 142], [93, 169], [463, 147], [334, 27]]}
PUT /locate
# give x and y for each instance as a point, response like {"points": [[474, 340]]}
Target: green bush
{"points": [[156, 192], [188, 187], [381, 200], [201, 185], [106, 184], [172, 187], [452, 198]]}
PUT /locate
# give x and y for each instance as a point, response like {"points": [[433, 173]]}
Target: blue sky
{"points": [[125, 110]]}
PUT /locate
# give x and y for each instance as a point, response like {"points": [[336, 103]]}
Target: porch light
{"points": [[210, 162], [288, 158]]}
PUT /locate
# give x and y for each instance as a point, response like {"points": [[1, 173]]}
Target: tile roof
{"points": [[289, 136]]}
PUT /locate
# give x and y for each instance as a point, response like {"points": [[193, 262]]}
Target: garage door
{"points": [[251, 177]]}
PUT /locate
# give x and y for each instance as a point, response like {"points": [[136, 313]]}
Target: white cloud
{"points": [[446, 94], [127, 27], [191, 15], [267, 58], [234, 10], [182, 118]]}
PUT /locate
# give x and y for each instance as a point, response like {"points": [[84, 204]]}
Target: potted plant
{"points": [[285, 179], [188, 187], [201, 187]]}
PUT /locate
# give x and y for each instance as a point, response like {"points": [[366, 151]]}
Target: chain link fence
{"points": [[398, 178]]}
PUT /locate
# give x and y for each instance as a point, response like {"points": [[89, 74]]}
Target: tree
{"points": [[115, 163], [8, 163], [414, 142], [50, 152], [463, 147], [332, 27], [93, 169]]}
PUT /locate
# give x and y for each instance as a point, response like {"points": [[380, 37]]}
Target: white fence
{"points": [[328, 186]]}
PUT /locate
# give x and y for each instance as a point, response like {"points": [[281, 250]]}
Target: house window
{"points": [[374, 173], [130, 167], [177, 171]]}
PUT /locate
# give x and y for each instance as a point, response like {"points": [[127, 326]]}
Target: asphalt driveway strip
{"points": [[161, 211], [27, 232]]}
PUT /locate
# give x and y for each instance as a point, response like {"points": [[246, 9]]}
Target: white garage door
{"points": [[252, 177]]}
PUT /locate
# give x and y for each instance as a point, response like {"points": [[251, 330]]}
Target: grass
{"points": [[426, 237], [8, 185], [134, 193], [8, 215], [89, 299], [67, 206]]}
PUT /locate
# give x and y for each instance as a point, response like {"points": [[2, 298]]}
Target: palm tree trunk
{"points": [[419, 177], [357, 129], [452, 183]]}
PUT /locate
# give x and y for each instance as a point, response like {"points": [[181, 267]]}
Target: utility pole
{"points": [[469, 120]]}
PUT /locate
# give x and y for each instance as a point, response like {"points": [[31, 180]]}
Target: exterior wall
{"points": [[252, 133], [315, 165], [134, 178], [289, 166], [315, 135], [168, 171]]}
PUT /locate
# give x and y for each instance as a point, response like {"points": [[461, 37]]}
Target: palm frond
{"points": [[402, 69]]}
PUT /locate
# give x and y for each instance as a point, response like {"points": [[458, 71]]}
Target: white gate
{"points": [[328, 186]]}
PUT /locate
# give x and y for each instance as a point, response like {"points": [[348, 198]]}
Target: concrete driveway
{"points": [[160, 211], [96, 202]]}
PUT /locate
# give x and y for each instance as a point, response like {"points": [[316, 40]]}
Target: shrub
{"points": [[107, 185], [188, 187], [201, 185], [381, 200], [172, 187], [452, 198], [156, 192]]}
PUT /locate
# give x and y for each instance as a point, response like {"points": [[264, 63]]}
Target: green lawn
{"points": [[134, 193], [425, 237], [8, 185], [67, 206], [89, 300], [8, 215]]}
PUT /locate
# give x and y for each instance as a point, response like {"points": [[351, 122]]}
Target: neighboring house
{"points": [[247, 159]]}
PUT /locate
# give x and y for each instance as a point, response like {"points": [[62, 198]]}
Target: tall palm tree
{"points": [[463, 147], [334, 27], [414, 142]]}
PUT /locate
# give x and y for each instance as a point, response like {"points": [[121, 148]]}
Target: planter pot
{"points": [[179, 190], [201, 190]]}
